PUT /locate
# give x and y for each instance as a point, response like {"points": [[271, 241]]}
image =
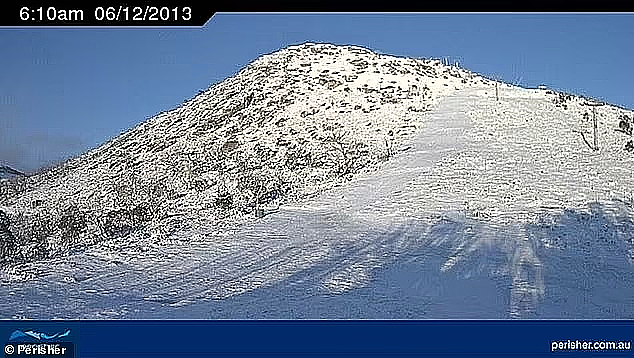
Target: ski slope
{"points": [[494, 209]]}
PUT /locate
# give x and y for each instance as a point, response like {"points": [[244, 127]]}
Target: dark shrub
{"points": [[224, 201], [625, 124], [116, 223], [71, 223], [7, 240]]}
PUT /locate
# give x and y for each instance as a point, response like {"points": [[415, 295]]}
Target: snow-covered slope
{"points": [[289, 125], [471, 208]]}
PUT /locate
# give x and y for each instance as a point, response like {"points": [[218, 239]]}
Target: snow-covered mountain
{"points": [[288, 126], [332, 181], [6, 172]]}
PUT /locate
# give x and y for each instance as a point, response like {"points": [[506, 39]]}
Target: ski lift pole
{"points": [[594, 123]]}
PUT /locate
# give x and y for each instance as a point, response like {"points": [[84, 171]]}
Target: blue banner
{"points": [[316, 338]]}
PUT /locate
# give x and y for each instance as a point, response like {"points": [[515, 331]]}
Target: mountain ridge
{"points": [[6, 172]]}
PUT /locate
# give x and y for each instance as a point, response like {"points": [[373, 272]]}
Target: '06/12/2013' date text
{"points": [[120, 13]]}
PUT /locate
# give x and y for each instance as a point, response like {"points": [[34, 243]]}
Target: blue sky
{"points": [[66, 90]]}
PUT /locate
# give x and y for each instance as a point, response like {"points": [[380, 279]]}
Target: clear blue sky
{"points": [[64, 90]]}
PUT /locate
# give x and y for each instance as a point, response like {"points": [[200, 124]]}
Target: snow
{"points": [[486, 209], [6, 172]]}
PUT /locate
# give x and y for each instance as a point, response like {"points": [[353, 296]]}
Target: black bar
{"points": [[193, 13]]}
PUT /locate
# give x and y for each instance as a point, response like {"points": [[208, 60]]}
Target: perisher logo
{"points": [[43, 337], [38, 344]]}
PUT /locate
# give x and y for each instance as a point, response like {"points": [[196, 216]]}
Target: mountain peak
{"points": [[287, 126]]}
